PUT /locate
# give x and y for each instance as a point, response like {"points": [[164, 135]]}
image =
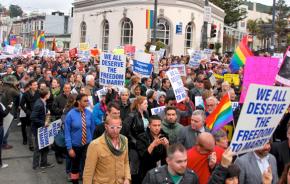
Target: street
{"points": [[19, 159]]}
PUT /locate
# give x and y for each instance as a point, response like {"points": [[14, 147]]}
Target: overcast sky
{"points": [[65, 5]]}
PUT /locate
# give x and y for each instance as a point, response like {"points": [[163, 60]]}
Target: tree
{"points": [[252, 26], [232, 11], [15, 11], [3, 10]]}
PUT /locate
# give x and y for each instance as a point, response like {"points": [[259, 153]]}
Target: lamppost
{"points": [[155, 21], [204, 34], [273, 25]]}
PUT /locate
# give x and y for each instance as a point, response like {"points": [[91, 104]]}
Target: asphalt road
{"points": [[19, 159]]}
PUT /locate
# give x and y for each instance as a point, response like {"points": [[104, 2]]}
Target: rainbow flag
{"points": [[34, 44], [222, 115], [240, 55], [149, 19], [41, 40]]}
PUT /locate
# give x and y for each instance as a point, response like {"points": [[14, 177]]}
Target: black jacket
{"points": [[281, 152], [148, 161], [151, 105], [58, 105], [27, 102], [219, 175], [3, 113], [124, 109], [161, 175], [38, 115]]}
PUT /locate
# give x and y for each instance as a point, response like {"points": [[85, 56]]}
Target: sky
{"points": [[65, 5]]}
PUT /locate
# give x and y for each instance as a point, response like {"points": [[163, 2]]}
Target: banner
{"points": [[180, 68], [112, 69], [284, 72], [157, 110], [177, 85], [261, 113], [144, 69], [46, 134], [259, 70]]}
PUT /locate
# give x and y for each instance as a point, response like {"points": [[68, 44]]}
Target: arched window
{"points": [[126, 31], [188, 36], [83, 32], [105, 36], [163, 31]]}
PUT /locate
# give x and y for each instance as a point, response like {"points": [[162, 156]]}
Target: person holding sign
{"points": [[255, 164]]}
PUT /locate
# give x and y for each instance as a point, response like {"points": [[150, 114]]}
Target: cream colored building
{"points": [[112, 23]]}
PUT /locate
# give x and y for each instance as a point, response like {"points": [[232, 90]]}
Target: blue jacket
{"points": [[73, 128], [98, 114]]}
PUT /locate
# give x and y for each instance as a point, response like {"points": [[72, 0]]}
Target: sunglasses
{"points": [[115, 127]]}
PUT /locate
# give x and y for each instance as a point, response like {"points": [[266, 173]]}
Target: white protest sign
{"points": [[7, 122], [262, 111], [180, 68], [46, 134], [212, 80], [152, 48], [157, 110], [112, 69], [235, 105], [142, 57], [199, 101], [102, 92], [9, 49], [177, 84]]}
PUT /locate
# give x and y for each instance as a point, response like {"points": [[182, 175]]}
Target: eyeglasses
{"points": [[115, 127]]}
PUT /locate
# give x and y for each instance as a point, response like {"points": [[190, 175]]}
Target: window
{"points": [[83, 32], [126, 31], [162, 32], [105, 36], [243, 24], [188, 36], [41, 25]]}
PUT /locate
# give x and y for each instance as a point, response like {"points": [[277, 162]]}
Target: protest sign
{"points": [[152, 48], [177, 84], [46, 134], [118, 51], [232, 79], [144, 69], [262, 111], [84, 46], [102, 92], [280, 57], [161, 53], [143, 57], [259, 70], [195, 59], [190, 52], [112, 69], [180, 68], [51, 54], [212, 80], [199, 101], [9, 49], [217, 76], [156, 63], [7, 122], [235, 105], [157, 110], [129, 50], [284, 72]]}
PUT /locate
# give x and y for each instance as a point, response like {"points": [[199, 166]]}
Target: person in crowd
{"points": [[79, 129], [165, 85], [79, 82], [175, 171], [285, 178], [38, 119], [281, 152], [187, 135], [151, 146], [71, 80], [254, 164], [147, 84], [204, 156], [170, 125], [152, 103], [280, 133], [25, 122], [90, 89], [99, 111], [197, 90], [124, 103], [62, 77], [46, 78], [161, 96], [211, 104], [135, 91], [221, 138], [114, 166], [55, 87]]}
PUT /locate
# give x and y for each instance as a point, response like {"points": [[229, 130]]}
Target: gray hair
{"points": [[200, 113], [124, 90], [212, 98], [89, 77]]}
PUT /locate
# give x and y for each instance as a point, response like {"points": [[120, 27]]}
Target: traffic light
{"points": [[213, 31]]}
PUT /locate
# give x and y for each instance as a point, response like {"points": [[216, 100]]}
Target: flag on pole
{"points": [[34, 44], [221, 116], [41, 40], [240, 55], [149, 19]]}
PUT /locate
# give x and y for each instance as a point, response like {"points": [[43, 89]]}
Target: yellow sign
{"points": [[217, 76], [236, 80], [230, 131], [84, 46], [232, 79], [118, 51]]}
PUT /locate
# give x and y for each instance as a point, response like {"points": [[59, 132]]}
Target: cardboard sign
{"points": [[262, 111], [46, 134], [259, 70], [177, 85], [112, 69]]}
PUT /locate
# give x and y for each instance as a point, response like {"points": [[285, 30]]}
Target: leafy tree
{"points": [[15, 11], [3, 10], [231, 8], [159, 45]]}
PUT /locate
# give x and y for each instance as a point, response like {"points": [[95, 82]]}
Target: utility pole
{"points": [[155, 21], [204, 33], [273, 25]]}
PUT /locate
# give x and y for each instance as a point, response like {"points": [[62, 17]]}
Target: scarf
{"points": [[116, 152]]}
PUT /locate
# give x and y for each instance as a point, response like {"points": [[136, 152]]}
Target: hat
{"points": [[149, 93], [159, 94]]}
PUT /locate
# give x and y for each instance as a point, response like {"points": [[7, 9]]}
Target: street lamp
{"points": [[155, 21], [273, 24]]}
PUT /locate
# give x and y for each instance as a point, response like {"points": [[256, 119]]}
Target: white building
{"points": [[5, 27], [112, 23]]}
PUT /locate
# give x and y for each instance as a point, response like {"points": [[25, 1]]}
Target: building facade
{"points": [[112, 23]]}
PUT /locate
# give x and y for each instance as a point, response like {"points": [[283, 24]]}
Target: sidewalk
{"points": [[19, 159]]}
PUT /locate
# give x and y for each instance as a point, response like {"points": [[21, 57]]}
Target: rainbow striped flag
{"points": [[240, 55], [222, 115], [41, 40], [149, 19], [34, 44]]}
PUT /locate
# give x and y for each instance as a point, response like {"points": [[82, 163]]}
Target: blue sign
{"points": [[179, 28], [145, 69]]}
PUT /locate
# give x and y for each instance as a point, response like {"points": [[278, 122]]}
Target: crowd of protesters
{"points": [[114, 138]]}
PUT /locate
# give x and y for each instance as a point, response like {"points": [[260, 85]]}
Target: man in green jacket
{"points": [[170, 125]]}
